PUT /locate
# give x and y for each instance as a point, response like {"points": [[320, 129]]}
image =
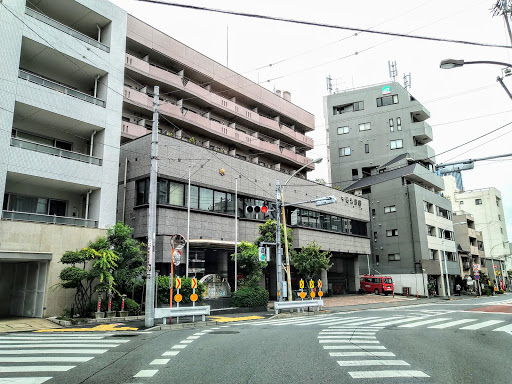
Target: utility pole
{"points": [[279, 270], [149, 313], [505, 15]]}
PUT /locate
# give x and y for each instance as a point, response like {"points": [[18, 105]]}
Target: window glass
{"points": [[367, 148], [206, 199], [219, 201], [57, 207], [391, 125], [343, 130], [6, 201], [177, 194], [365, 126], [387, 280], [398, 124], [142, 191], [230, 203], [42, 207], [345, 151], [336, 223], [194, 197], [163, 191], [324, 221]]}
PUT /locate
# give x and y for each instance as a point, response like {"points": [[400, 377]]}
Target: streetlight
{"points": [[316, 161], [453, 63], [492, 261], [447, 286]]}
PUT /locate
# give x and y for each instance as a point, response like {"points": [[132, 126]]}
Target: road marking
{"points": [[146, 373], [386, 323], [484, 324], [199, 334], [159, 362], [338, 340], [54, 337], [207, 330], [354, 328], [58, 346], [170, 353], [58, 341], [24, 380], [52, 351], [98, 328], [193, 337], [424, 322], [348, 333], [359, 354], [226, 319], [330, 320], [357, 341], [359, 363], [506, 328], [376, 374], [344, 337], [354, 347], [37, 368], [45, 359], [452, 323], [179, 346]]}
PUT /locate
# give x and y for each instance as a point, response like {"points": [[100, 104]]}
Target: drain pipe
{"points": [[92, 143], [124, 187], [99, 33], [87, 204], [96, 86]]}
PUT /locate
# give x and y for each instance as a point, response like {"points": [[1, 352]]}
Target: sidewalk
{"points": [[24, 324]]}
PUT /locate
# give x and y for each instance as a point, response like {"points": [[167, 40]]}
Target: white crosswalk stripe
{"points": [[386, 374], [483, 325], [424, 322], [38, 354], [452, 323]]}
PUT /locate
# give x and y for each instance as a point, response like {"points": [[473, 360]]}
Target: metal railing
{"points": [[32, 77], [48, 219], [64, 28], [30, 145]]}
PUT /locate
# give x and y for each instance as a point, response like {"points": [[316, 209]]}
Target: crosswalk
{"points": [[32, 358], [348, 324]]}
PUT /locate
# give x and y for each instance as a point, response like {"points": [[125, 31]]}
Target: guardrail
{"points": [[48, 219], [280, 305], [200, 310]]}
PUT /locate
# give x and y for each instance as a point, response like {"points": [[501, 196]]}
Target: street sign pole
{"points": [[279, 269]]}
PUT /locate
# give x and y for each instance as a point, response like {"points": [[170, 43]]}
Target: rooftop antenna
{"points": [[393, 70], [329, 84], [407, 81]]}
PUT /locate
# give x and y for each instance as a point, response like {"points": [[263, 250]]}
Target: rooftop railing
{"points": [[48, 219]]}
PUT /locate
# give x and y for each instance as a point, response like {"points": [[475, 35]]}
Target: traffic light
{"points": [[256, 209]]}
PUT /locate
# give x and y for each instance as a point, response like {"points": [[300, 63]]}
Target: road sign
{"points": [[193, 297], [301, 284], [178, 282], [319, 283], [177, 257], [178, 298], [311, 284], [494, 266], [477, 277], [194, 283], [313, 294], [302, 295], [320, 294]]}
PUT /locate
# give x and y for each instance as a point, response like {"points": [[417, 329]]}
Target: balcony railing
{"points": [[32, 77], [30, 145], [64, 28], [48, 219]]}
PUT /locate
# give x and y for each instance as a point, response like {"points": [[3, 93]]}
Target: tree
{"points": [[268, 233], [82, 277], [249, 264], [310, 261]]}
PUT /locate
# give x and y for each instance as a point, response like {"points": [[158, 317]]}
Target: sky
{"points": [[464, 103]]}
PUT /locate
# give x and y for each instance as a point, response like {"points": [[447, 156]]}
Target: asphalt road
{"points": [[444, 342]]}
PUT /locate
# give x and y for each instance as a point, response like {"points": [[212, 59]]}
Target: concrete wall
{"points": [[54, 239]]}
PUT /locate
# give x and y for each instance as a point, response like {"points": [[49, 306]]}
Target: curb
{"points": [[106, 320]]}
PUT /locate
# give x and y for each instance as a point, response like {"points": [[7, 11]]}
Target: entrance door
{"points": [[28, 287]]}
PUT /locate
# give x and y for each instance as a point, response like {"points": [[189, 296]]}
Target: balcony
{"points": [[64, 28], [466, 265], [48, 219], [213, 128], [25, 144], [422, 152], [133, 131], [250, 118], [422, 132], [37, 79], [474, 250], [472, 233]]}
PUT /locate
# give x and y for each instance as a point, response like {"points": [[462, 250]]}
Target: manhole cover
{"points": [[223, 332]]}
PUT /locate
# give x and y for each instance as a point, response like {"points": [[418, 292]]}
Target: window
{"points": [[373, 212], [394, 257], [339, 109], [499, 217], [367, 148], [177, 194], [478, 201], [461, 202], [343, 130], [142, 192], [501, 229], [398, 124], [392, 232], [391, 126], [375, 236], [344, 151], [377, 259], [427, 207], [482, 262], [194, 197], [451, 256], [391, 208], [396, 144], [387, 100], [365, 127], [432, 254], [431, 231], [205, 199], [40, 205], [497, 202], [163, 192]]}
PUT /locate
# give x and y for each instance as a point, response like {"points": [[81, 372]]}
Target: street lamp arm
{"points": [[489, 62], [453, 63], [315, 161]]}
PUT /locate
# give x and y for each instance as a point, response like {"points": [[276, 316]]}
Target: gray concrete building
{"points": [[378, 149], [60, 110]]}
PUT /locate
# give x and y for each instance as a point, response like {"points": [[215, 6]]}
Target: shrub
{"points": [[486, 291], [132, 307], [250, 297], [185, 291]]}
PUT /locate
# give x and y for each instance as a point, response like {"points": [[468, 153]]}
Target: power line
{"points": [[324, 25]]}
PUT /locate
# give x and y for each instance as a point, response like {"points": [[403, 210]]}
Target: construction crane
{"points": [[456, 167]]}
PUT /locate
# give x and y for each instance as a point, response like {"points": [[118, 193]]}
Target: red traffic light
{"points": [[264, 209]]}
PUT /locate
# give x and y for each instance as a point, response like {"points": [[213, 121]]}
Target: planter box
{"points": [[99, 315], [122, 313], [111, 313]]}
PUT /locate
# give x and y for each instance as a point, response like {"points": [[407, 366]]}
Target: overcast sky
{"points": [[464, 102]]}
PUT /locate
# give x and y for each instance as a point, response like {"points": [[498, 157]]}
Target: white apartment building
{"points": [[62, 82]]}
